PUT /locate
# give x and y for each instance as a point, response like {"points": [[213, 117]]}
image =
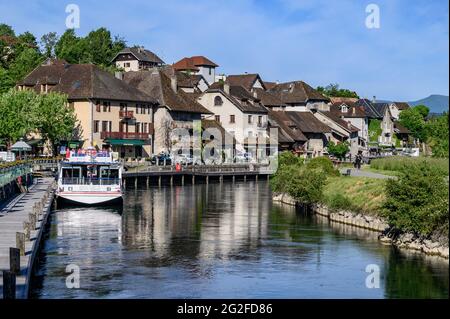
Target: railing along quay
{"points": [[22, 225]]}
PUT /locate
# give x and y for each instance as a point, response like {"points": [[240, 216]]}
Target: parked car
{"points": [[161, 159], [184, 159], [243, 157]]}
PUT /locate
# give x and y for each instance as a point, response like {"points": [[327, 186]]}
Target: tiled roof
{"points": [[245, 80], [141, 55], [193, 63], [184, 80], [286, 131], [308, 123], [370, 110], [83, 81], [402, 105], [340, 121], [297, 92], [354, 110], [158, 85], [400, 128], [269, 85], [239, 96], [268, 99], [343, 99]]}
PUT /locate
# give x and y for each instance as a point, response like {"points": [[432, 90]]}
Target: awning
{"points": [[125, 142]]}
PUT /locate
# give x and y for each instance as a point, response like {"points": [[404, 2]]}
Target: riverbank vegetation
{"points": [[415, 201], [400, 163]]}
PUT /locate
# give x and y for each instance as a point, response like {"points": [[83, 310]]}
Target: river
{"points": [[223, 241]]}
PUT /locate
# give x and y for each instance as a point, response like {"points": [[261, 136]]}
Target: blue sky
{"points": [[317, 41]]}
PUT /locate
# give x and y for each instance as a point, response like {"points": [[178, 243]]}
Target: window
{"points": [[96, 126], [143, 107], [249, 119], [127, 64], [218, 101], [123, 106], [144, 128], [137, 108], [97, 106], [259, 120], [106, 107], [110, 126], [210, 70], [217, 117], [137, 127], [344, 109], [232, 119], [104, 126]]}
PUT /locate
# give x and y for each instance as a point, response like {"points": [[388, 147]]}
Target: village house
{"points": [[136, 59], [396, 108], [198, 65], [351, 112], [176, 108], [111, 114], [238, 111], [247, 81], [300, 97], [189, 83], [317, 133]]}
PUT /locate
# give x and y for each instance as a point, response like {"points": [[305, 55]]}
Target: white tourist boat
{"points": [[89, 177]]}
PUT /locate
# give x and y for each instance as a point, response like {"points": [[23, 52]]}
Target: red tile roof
{"points": [[193, 63]]}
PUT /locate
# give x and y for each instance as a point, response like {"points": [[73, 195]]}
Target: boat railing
{"points": [[89, 181]]}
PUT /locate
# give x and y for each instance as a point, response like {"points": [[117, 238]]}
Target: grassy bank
{"points": [[360, 194], [400, 163]]}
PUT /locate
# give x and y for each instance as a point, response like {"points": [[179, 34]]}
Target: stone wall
{"points": [[438, 247]]}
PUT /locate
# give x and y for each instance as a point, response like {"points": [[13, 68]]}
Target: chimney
{"points": [[173, 83], [118, 75], [353, 110], [226, 88], [374, 99], [255, 94]]}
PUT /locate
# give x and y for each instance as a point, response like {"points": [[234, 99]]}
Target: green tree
{"points": [[437, 132], [423, 110], [25, 62], [17, 116], [414, 121], [48, 42], [69, 47], [333, 90], [417, 201], [6, 30], [338, 149], [55, 121]]}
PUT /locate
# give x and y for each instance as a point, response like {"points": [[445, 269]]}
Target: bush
{"points": [[287, 158], [338, 201], [418, 200], [323, 163], [304, 185]]}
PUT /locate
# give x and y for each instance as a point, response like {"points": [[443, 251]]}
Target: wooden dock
{"points": [[17, 233]]}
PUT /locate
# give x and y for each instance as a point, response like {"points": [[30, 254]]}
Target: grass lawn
{"points": [[397, 163], [361, 194]]}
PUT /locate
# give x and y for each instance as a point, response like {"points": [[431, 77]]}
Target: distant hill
{"points": [[436, 103]]}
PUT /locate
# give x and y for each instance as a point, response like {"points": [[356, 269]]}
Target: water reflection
{"points": [[221, 241]]}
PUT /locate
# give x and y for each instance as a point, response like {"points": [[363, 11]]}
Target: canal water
{"points": [[223, 241]]}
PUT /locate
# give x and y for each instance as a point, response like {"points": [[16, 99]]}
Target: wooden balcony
{"points": [[125, 135], [126, 115]]}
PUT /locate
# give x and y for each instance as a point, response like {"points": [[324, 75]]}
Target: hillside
{"points": [[436, 103]]}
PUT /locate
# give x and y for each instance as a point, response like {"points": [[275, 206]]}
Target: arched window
{"points": [[218, 101]]}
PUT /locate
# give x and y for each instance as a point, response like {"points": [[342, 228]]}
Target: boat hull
{"points": [[89, 198]]}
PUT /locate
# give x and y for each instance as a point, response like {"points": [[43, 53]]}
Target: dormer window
{"points": [[344, 108], [218, 101]]}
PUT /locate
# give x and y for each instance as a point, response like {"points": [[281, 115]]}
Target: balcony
{"points": [[126, 115], [125, 135]]}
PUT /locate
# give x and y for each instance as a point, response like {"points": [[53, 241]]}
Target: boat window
{"points": [[106, 172], [71, 172]]}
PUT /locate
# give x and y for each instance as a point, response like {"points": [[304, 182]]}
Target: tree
{"points": [[17, 116], [333, 90], [417, 201], [55, 121], [68, 47], [437, 132], [423, 110], [25, 62], [338, 149], [48, 42], [413, 120], [6, 30]]}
